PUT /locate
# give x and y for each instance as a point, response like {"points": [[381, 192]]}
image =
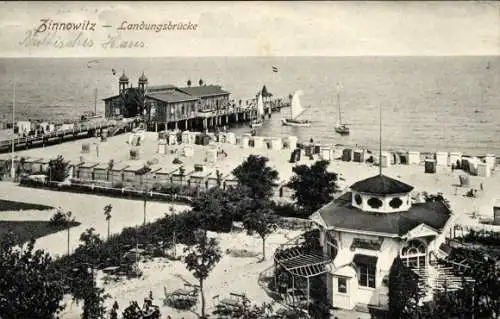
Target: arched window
{"points": [[413, 254]]}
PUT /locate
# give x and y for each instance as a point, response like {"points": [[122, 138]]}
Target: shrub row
{"points": [[107, 191]]}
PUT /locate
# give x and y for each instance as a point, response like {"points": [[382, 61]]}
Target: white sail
{"points": [[296, 109], [260, 106]]}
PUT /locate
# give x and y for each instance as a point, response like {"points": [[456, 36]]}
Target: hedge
{"points": [[107, 191]]}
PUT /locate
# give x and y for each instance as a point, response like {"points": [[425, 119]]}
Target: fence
{"points": [[108, 191]]}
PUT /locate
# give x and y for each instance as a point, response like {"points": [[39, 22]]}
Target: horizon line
{"points": [[250, 56]]}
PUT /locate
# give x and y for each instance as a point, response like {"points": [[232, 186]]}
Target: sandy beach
{"points": [[170, 275], [117, 148]]}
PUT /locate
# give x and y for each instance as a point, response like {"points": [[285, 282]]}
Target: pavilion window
{"points": [[342, 285], [413, 254], [366, 276]]}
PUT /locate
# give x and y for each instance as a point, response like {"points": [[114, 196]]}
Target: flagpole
{"points": [[12, 169], [380, 140]]}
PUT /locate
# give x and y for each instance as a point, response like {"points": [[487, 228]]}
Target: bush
{"points": [[59, 219], [289, 210], [118, 185]]}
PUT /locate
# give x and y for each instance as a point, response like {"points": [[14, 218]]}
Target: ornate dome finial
{"points": [[143, 78], [123, 77]]}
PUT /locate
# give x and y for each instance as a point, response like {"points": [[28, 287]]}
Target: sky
{"points": [[252, 29]]}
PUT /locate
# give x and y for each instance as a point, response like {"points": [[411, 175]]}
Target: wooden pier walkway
{"points": [[79, 130]]}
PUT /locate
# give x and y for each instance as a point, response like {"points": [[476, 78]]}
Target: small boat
{"points": [[295, 111], [341, 128], [259, 121]]}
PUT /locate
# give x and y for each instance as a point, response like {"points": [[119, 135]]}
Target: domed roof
{"points": [[143, 78], [123, 78], [381, 185]]}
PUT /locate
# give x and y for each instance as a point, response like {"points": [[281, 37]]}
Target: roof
{"points": [[166, 171], [300, 263], [340, 213], [103, 166], [158, 88], [123, 78], [88, 165], [201, 174], [119, 166], [133, 166], [205, 90], [111, 97], [381, 185], [171, 96]]}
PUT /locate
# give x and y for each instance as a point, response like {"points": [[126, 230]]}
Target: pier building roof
{"points": [[205, 90], [159, 88], [381, 185], [172, 96], [341, 214]]}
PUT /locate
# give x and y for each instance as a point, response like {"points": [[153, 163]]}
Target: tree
{"points": [[90, 247], [111, 164], [313, 185], [113, 314], [189, 83], [182, 171], [145, 198], [58, 169], [107, 214], [69, 221], [263, 222], [93, 302], [403, 290], [218, 176], [84, 286], [21, 167], [259, 178], [212, 210], [27, 288], [200, 82], [201, 260]]}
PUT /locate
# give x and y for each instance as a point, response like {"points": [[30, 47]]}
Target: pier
{"points": [[77, 131]]}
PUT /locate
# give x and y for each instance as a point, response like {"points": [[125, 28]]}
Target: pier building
{"points": [[168, 106]]}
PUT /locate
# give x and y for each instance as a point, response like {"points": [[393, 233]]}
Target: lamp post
{"points": [[12, 169]]}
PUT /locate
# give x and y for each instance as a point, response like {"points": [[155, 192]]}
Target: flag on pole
{"points": [[275, 69]]}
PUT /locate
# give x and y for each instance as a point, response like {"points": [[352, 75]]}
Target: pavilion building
{"points": [[361, 233]]}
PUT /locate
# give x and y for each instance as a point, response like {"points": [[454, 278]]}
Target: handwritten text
{"points": [[116, 42], [52, 39]]}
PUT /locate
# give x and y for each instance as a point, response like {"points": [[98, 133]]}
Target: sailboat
{"points": [[258, 122], [341, 128], [295, 111]]}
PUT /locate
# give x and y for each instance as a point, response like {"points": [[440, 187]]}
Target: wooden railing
{"points": [[77, 128]]}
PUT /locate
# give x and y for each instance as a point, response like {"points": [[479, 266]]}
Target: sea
{"points": [[428, 103]]}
